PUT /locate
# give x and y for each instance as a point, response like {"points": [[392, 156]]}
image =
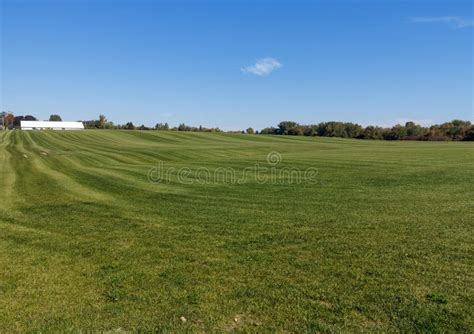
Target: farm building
{"points": [[46, 125]]}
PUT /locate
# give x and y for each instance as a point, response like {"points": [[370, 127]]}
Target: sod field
{"points": [[208, 232]]}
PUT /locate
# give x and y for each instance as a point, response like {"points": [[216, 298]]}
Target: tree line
{"points": [[9, 121], [103, 123], [454, 130]]}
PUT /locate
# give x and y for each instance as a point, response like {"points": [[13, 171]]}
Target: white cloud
{"points": [[263, 67], [453, 21]]}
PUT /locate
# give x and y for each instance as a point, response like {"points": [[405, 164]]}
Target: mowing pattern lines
{"points": [[381, 241], [7, 175]]}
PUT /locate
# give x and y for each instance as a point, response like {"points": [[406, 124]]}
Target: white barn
{"points": [[46, 125]]}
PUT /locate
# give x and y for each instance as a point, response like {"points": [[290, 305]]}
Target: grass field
{"points": [[380, 240]]}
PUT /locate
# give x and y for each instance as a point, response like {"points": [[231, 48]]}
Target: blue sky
{"points": [[235, 64]]}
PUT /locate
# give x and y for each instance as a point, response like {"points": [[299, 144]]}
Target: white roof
{"points": [[47, 124]]}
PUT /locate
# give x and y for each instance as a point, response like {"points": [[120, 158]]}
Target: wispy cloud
{"points": [[453, 21], [263, 67]]}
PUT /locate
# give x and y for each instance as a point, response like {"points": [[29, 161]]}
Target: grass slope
{"points": [[381, 242]]}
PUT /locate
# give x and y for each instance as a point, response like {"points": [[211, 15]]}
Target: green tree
{"points": [[102, 121], [413, 130], [55, 118], [9, 120], [372, 132], [183, 127], [470, 134], [296, 131], [458, 129], [250, 131], [352, 130], [285, 126], [161, 126], [129, 126], [397, 132], [269, 131]]}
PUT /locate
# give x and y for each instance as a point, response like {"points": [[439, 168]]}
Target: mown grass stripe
{"points": [[380, 242]]}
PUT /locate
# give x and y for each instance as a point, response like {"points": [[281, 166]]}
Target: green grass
{"points": [[381, 241]]}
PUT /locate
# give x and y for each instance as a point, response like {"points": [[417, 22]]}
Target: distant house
{"points": [[46, 125]]}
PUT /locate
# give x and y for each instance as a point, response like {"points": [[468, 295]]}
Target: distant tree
{"points": [[435, 132], [296, 131], [454, 130], [339, 129], [55, 118], [17, 121], [397, 132], [413, 131], [372, 132], [458, 129], [183, 127], [161, 126], [269, 131], [91, 124], [353, 130], [310, 130], [3, 121], [30, 118], [250, 131], [9, 120], [109, 125], [129, 126], [470, 134], [102, 121], [285, 126]]}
